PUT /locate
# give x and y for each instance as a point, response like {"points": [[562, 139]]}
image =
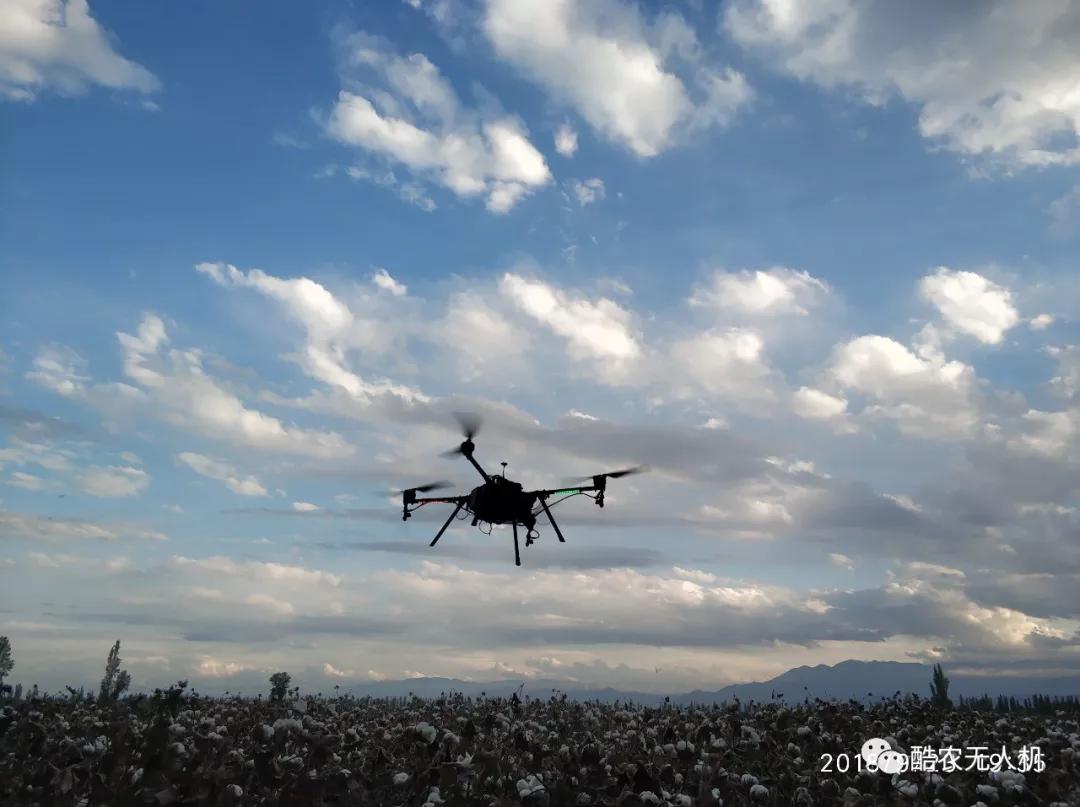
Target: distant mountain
{"points": [[863, 680]]}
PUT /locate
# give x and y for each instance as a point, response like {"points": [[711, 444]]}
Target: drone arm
{"points": [[599, 484], [438, 535], [412, 502], [468, 452], [441, 500], [551, 518]]}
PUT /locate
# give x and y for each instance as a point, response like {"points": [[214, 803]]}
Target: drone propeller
{"points": [[425, 488], [637, 469], [470, 424]]}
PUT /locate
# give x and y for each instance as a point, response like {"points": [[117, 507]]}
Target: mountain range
{"points": [[864, 680]]}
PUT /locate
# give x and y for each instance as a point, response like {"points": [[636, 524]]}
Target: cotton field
{"points": [[460, 751]]}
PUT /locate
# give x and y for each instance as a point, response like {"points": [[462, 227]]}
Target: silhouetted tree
{"points": [[7, 659], [116, 681], [939, 689], [279, 686]]}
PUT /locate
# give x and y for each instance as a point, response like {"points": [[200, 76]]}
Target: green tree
{"points": [[116, 681], [7, 659], [279, 686], [939, 689]]}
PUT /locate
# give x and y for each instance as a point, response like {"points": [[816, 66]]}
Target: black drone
{"points": [[500, 500]]}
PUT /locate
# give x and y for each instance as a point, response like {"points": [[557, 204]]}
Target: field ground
{"points": [[458, 751]]}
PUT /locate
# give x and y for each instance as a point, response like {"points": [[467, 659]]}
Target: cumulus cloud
{"points": [[183, 393], [1040, 322], [412, 117], [841, 560], [386, 282], [598, 329], [970, 303], [566, 140], [485, 340], [116, 481], [778, 290], [332, 329], [587, 191], [994, 79], [219, 565], [332, 671], [58, 45], [815, 404], [726, 364], [223, 472], [616, 69], [21, 479], [926, 396], [59, 369]]}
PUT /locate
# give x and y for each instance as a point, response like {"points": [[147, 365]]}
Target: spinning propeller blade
{"points": [[442, 483], [637, 469], [470, 424]]}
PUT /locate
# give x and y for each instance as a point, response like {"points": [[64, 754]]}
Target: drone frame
{"points": [[411, 503]]}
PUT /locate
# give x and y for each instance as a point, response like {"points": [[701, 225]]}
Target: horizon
{"points": [[820, 278]]}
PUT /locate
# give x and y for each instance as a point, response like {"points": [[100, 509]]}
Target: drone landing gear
{"points": [[517, 552], [438, 535], [551, 518]]}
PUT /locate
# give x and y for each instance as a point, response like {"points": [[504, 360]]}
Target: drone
{"points": [[500, 500]]}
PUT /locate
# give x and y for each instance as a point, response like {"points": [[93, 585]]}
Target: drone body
{"points": [[500, 500]]}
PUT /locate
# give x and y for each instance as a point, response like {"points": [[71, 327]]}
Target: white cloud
{"points": [[815, 404], [332, 671], [386, 282], [53, 44], [116, 481], [305, 507], [970, 303], [332, 330], [59, 369], [1066, 382], [616, 69], [268, 602], [484, 342], [995, 78], [181, 392], [727, 363], [1064, 213], [34, 527], [841, 560], [587, 191], [216, 668], [566, 140], [257, 570], [45, 560], [20, 479], [414, 118], [223, 472], [1040, 322], [762, 291], [595, 330], [924, 395], [407, 190]]}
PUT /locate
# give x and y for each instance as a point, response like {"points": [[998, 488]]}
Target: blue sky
{"points": [[820, 280]]}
